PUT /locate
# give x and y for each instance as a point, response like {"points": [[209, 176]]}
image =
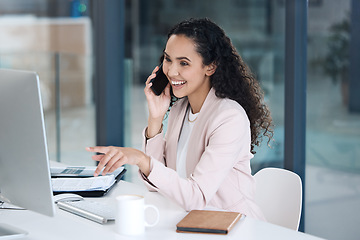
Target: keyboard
{"points": [[92, 210]]}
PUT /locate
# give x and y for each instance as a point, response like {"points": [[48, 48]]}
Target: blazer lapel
{"points": [[196, 142]]}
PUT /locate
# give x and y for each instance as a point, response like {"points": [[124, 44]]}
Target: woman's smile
{"points": [[177, 84]]}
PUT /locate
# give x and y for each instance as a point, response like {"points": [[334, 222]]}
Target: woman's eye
{"points": [[184, 63], [167, 59]]}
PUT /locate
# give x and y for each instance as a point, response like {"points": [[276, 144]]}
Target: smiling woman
{"points": [[217, 115]]}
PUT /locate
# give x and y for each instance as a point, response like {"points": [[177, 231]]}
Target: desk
{"points": [[67, 226]]}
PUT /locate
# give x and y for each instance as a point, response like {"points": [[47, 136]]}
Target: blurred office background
{"points": [[93, 58]]}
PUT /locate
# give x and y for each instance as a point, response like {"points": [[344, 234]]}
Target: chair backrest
{"points": [[279, 196]]}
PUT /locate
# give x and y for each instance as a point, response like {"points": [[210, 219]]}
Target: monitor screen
{"points": [[24, 165]]}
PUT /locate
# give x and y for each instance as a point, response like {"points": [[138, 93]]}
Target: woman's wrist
{"points": [[154, 127], [144, 165], [148, 136]]}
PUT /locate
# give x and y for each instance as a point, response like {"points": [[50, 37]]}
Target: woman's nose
{"points": [[172, 71]]}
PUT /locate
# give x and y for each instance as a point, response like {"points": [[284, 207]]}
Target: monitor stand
{"points": [[10, 232]]}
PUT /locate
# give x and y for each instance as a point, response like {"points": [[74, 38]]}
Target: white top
{"points": [[183, 143]]}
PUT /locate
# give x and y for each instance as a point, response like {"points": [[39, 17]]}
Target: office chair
{"points": [[279, 196]]}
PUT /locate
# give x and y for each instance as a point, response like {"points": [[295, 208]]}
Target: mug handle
{"points": [[157, 215]]}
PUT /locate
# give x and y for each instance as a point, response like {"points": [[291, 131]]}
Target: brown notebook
{"points": [[202, 221]]}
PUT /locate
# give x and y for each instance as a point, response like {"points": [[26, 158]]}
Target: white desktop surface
{"points": [[69, 226]]}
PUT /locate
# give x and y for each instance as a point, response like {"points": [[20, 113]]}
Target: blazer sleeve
{"points": [[154, 147], [228, 143]]}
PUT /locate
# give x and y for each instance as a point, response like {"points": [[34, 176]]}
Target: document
{"points": [[80, 180], [82, 184], [79, 171]]}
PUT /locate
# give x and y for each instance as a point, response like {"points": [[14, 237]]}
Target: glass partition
{"points": [[333, 128], [60, 51], [66, 92]]}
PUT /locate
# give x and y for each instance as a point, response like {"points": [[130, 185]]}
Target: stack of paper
{"points": [[81, 180], [82, 184]]}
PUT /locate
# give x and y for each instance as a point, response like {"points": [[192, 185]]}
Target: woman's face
{"points": [[184, 68]]}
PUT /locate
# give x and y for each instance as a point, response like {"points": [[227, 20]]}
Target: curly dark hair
{"points": [[232, 78]]}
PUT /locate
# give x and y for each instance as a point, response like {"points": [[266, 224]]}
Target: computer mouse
{"points": [[67, 197]]}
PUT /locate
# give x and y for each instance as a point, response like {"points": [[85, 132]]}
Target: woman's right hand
{"points": [[158, 105]]}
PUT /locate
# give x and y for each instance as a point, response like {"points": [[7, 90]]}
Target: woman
{"points": [[216, 118]]}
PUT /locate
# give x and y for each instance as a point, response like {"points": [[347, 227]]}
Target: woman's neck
{"points": [[197, 101]]}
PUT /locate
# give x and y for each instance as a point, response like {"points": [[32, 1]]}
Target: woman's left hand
{"points": [[115, 157]]}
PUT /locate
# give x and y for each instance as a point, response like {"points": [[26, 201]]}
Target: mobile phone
{"points": [[159, 82]]}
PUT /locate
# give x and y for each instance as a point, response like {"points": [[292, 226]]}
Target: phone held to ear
{"points": [[159, 82]]}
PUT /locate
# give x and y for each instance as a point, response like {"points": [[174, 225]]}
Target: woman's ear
{"points": [[211, 68]]}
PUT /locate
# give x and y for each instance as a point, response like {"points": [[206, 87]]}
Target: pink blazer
{"points": [[217, 163]]}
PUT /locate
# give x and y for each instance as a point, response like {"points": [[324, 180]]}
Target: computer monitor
{"points": [[24, 164]]}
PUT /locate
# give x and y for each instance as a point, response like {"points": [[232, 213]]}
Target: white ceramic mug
{"points": [[130, 215]]}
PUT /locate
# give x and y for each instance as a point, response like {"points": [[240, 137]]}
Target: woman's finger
{"points": [[97, 157], [150, 78], [155, 69], [116, 158], [153, 75], [118, 164], [104, 160], [97, 149]]}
